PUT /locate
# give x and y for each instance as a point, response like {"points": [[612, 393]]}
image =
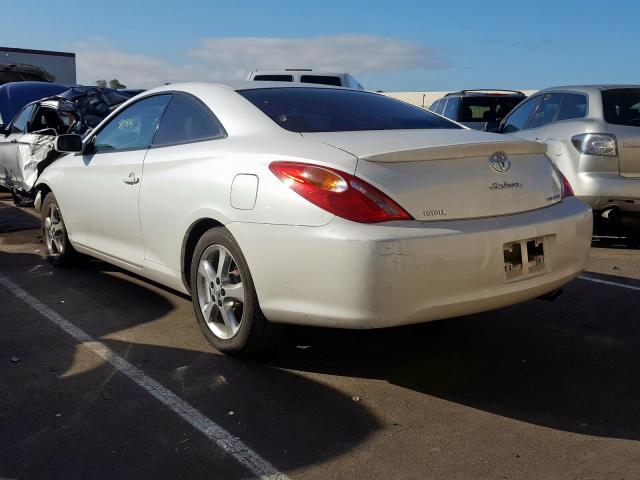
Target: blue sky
{"points": [[399, 45]]}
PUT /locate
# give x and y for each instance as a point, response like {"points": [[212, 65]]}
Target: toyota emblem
{"points": [[500, 162]]}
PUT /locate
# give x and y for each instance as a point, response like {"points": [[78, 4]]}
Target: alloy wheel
{"points": [[220, 291], [54, 231]]}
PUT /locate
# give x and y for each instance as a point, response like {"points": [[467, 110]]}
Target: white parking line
{"points": [[607, 282], [223, 439]]}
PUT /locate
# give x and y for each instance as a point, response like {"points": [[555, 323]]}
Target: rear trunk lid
{"points": [[628, 142], [449, 174]]}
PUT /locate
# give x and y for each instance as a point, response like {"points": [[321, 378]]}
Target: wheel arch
{"points": [[191, 237], [41, 190]]}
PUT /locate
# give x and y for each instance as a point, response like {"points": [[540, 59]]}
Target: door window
{"points": [[46, 122], [574, 105], [186, 119], [518, 118], [134, 127], [547, 110], [21, 122]]}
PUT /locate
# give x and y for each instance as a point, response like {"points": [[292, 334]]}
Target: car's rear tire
{"points": [[224, 297], [56, 242]]}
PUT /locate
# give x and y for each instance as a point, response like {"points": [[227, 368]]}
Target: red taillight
{"points": [[338, 192], [567, 191], [565, 186]]}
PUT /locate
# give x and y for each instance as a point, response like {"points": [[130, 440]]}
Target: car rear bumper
{"points": [[609, 190], [349, 275]]}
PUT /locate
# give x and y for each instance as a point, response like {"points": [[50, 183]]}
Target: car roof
{"points": [[301, 71], [592, 89], [239, 85], [486, 92]]}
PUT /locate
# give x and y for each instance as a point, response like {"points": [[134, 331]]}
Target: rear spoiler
{"points": [[452, 152]]}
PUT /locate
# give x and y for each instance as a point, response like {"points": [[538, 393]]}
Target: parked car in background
{"points": [[315, 205], [593, 136], [26, 143], [477, 108], [306, 75]]}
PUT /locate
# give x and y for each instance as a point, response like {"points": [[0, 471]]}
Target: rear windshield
{"points": [[274, 78], [321, 79], [334, 110], [486, 109], [622, 107]]}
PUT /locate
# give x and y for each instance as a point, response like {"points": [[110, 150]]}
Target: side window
{"points": [[451, 110], [518, 118], [547, 110], [274, 78], [573, 105], [132, 128], [187, 120], [321, 80], [441, 104], [21, 122], [46, 121], [434, 106]]}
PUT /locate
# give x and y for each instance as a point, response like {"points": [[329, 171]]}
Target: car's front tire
{"points": [[56, 242], [224, 297]]}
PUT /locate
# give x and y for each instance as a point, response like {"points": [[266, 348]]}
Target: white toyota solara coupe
{"points": [[276, 203]]}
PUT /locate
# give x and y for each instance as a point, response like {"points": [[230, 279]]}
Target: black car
{"points": [[477, 108]]}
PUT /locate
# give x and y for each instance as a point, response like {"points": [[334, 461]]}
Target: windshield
{"points": [[333, 110], [622, 107], [487, 109]]}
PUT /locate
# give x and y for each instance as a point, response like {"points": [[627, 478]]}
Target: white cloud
{"points": [[227, 58]]}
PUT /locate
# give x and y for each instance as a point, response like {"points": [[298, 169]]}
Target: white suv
{"points": [[306, 75]]}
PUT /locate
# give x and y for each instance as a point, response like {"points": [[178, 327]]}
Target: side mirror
{"points": [[69, 143], [3, 131], [492, 127]]}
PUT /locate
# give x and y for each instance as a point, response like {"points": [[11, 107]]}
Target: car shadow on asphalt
{"points": [[572, 365], [618, 235], [292, 421]]}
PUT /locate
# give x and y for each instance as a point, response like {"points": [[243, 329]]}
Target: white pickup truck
{"points": [[306, 75]]}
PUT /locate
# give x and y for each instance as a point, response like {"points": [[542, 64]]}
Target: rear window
{"points": [[321, 79], [622, 107], [333, 110], [274, 78], [487, 109]]}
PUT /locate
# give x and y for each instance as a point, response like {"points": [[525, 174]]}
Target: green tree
{"points": [[113, 83]]}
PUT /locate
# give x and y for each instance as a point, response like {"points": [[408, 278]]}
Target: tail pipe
{"points": [[611, 214]]}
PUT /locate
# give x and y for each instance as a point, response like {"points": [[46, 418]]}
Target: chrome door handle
{"points": [[537, 139], [131, 179], [14, 141]]}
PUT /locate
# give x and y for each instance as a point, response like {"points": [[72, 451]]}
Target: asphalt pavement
{"points": [[105, 375]]}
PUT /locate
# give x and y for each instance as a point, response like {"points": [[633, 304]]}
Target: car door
{"points": [[542, 119], [516, 123], [35, 147], [189, 140], [102, 185], [9, 171]]}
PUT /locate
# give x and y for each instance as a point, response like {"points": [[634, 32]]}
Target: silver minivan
{"points": [[593, 136]]}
